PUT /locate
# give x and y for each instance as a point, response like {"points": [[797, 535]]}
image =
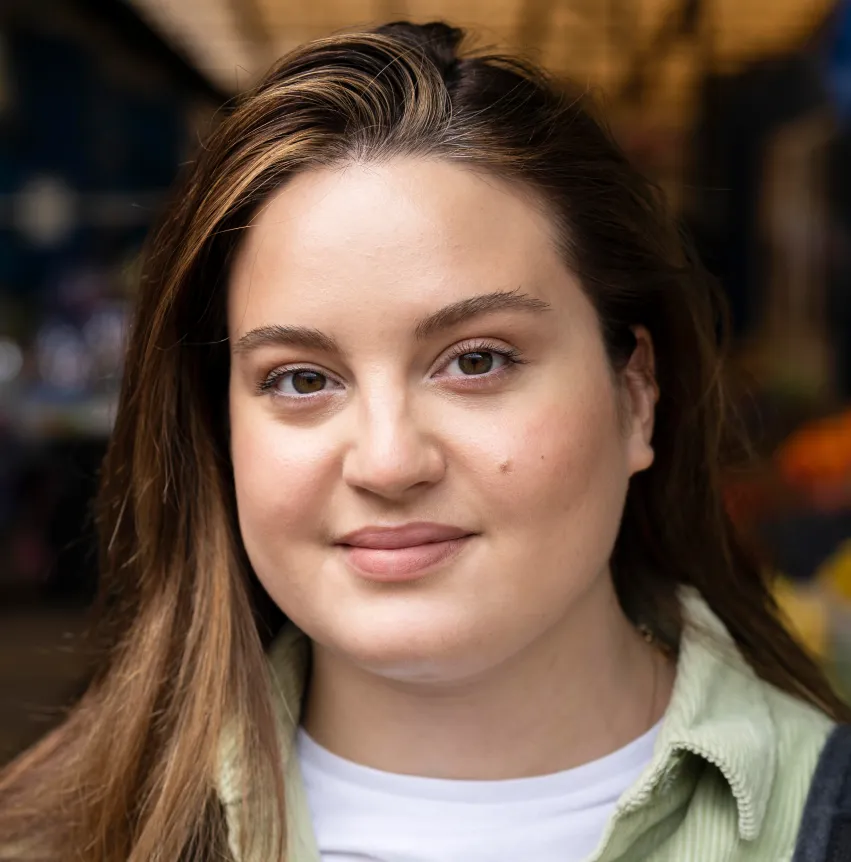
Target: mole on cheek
{"points": [[505, 467]]}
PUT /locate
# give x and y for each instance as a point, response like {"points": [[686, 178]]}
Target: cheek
{"points": [[566, 457], [279, 479]]}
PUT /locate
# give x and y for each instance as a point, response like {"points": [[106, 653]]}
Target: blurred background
{"points": [[740, 109]]}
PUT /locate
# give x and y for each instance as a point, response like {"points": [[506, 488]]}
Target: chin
{"points": [[410, 646]]}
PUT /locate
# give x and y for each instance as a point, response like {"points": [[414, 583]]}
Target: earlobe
{"points": [[641, 456]]}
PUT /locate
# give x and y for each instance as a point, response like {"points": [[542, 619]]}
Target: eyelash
{"points": [[511, 354]]}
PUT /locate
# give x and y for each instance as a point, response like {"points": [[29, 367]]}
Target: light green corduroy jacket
{"points": [[728, 780]]}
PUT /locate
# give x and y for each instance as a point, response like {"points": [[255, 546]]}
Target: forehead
{"points": [[415, 233]]}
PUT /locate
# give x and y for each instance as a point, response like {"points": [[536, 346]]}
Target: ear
{"points": [[641, 393]]}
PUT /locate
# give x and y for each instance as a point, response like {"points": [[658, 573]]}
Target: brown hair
{"points": [[131, 774]]}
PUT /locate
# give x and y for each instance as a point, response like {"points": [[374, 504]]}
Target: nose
{"points": [[392, 453]]}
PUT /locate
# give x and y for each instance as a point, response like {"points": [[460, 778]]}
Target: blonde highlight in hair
{"points": [[132, 773]]}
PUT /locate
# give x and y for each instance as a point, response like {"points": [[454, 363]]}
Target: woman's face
{"points": [[409, 351]]}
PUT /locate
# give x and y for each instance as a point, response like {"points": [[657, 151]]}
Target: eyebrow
{"points": [[477, 306], [439, 321], [286, 336]]}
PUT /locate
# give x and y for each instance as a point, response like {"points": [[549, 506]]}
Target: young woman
{"points": [[421, 364]]}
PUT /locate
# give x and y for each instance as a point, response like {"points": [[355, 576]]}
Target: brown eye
{"points": [[478, 362], [308, 382], [298, 383]]}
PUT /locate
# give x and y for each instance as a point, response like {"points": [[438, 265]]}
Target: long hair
{"points": [[131, 773]]}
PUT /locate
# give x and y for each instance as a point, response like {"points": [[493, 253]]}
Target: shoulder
{"points": [[762, 745], [800, 732]]}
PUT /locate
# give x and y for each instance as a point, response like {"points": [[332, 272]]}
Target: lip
{"points": [[403, 536], [402, 553]]}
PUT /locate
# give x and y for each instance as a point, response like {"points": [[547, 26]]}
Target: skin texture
{"points": [[517, 644]]}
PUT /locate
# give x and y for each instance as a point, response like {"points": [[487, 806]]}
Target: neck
{"points": [[583, 689]]}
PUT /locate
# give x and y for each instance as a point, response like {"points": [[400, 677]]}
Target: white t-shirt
{"points": [[365, 815]]}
